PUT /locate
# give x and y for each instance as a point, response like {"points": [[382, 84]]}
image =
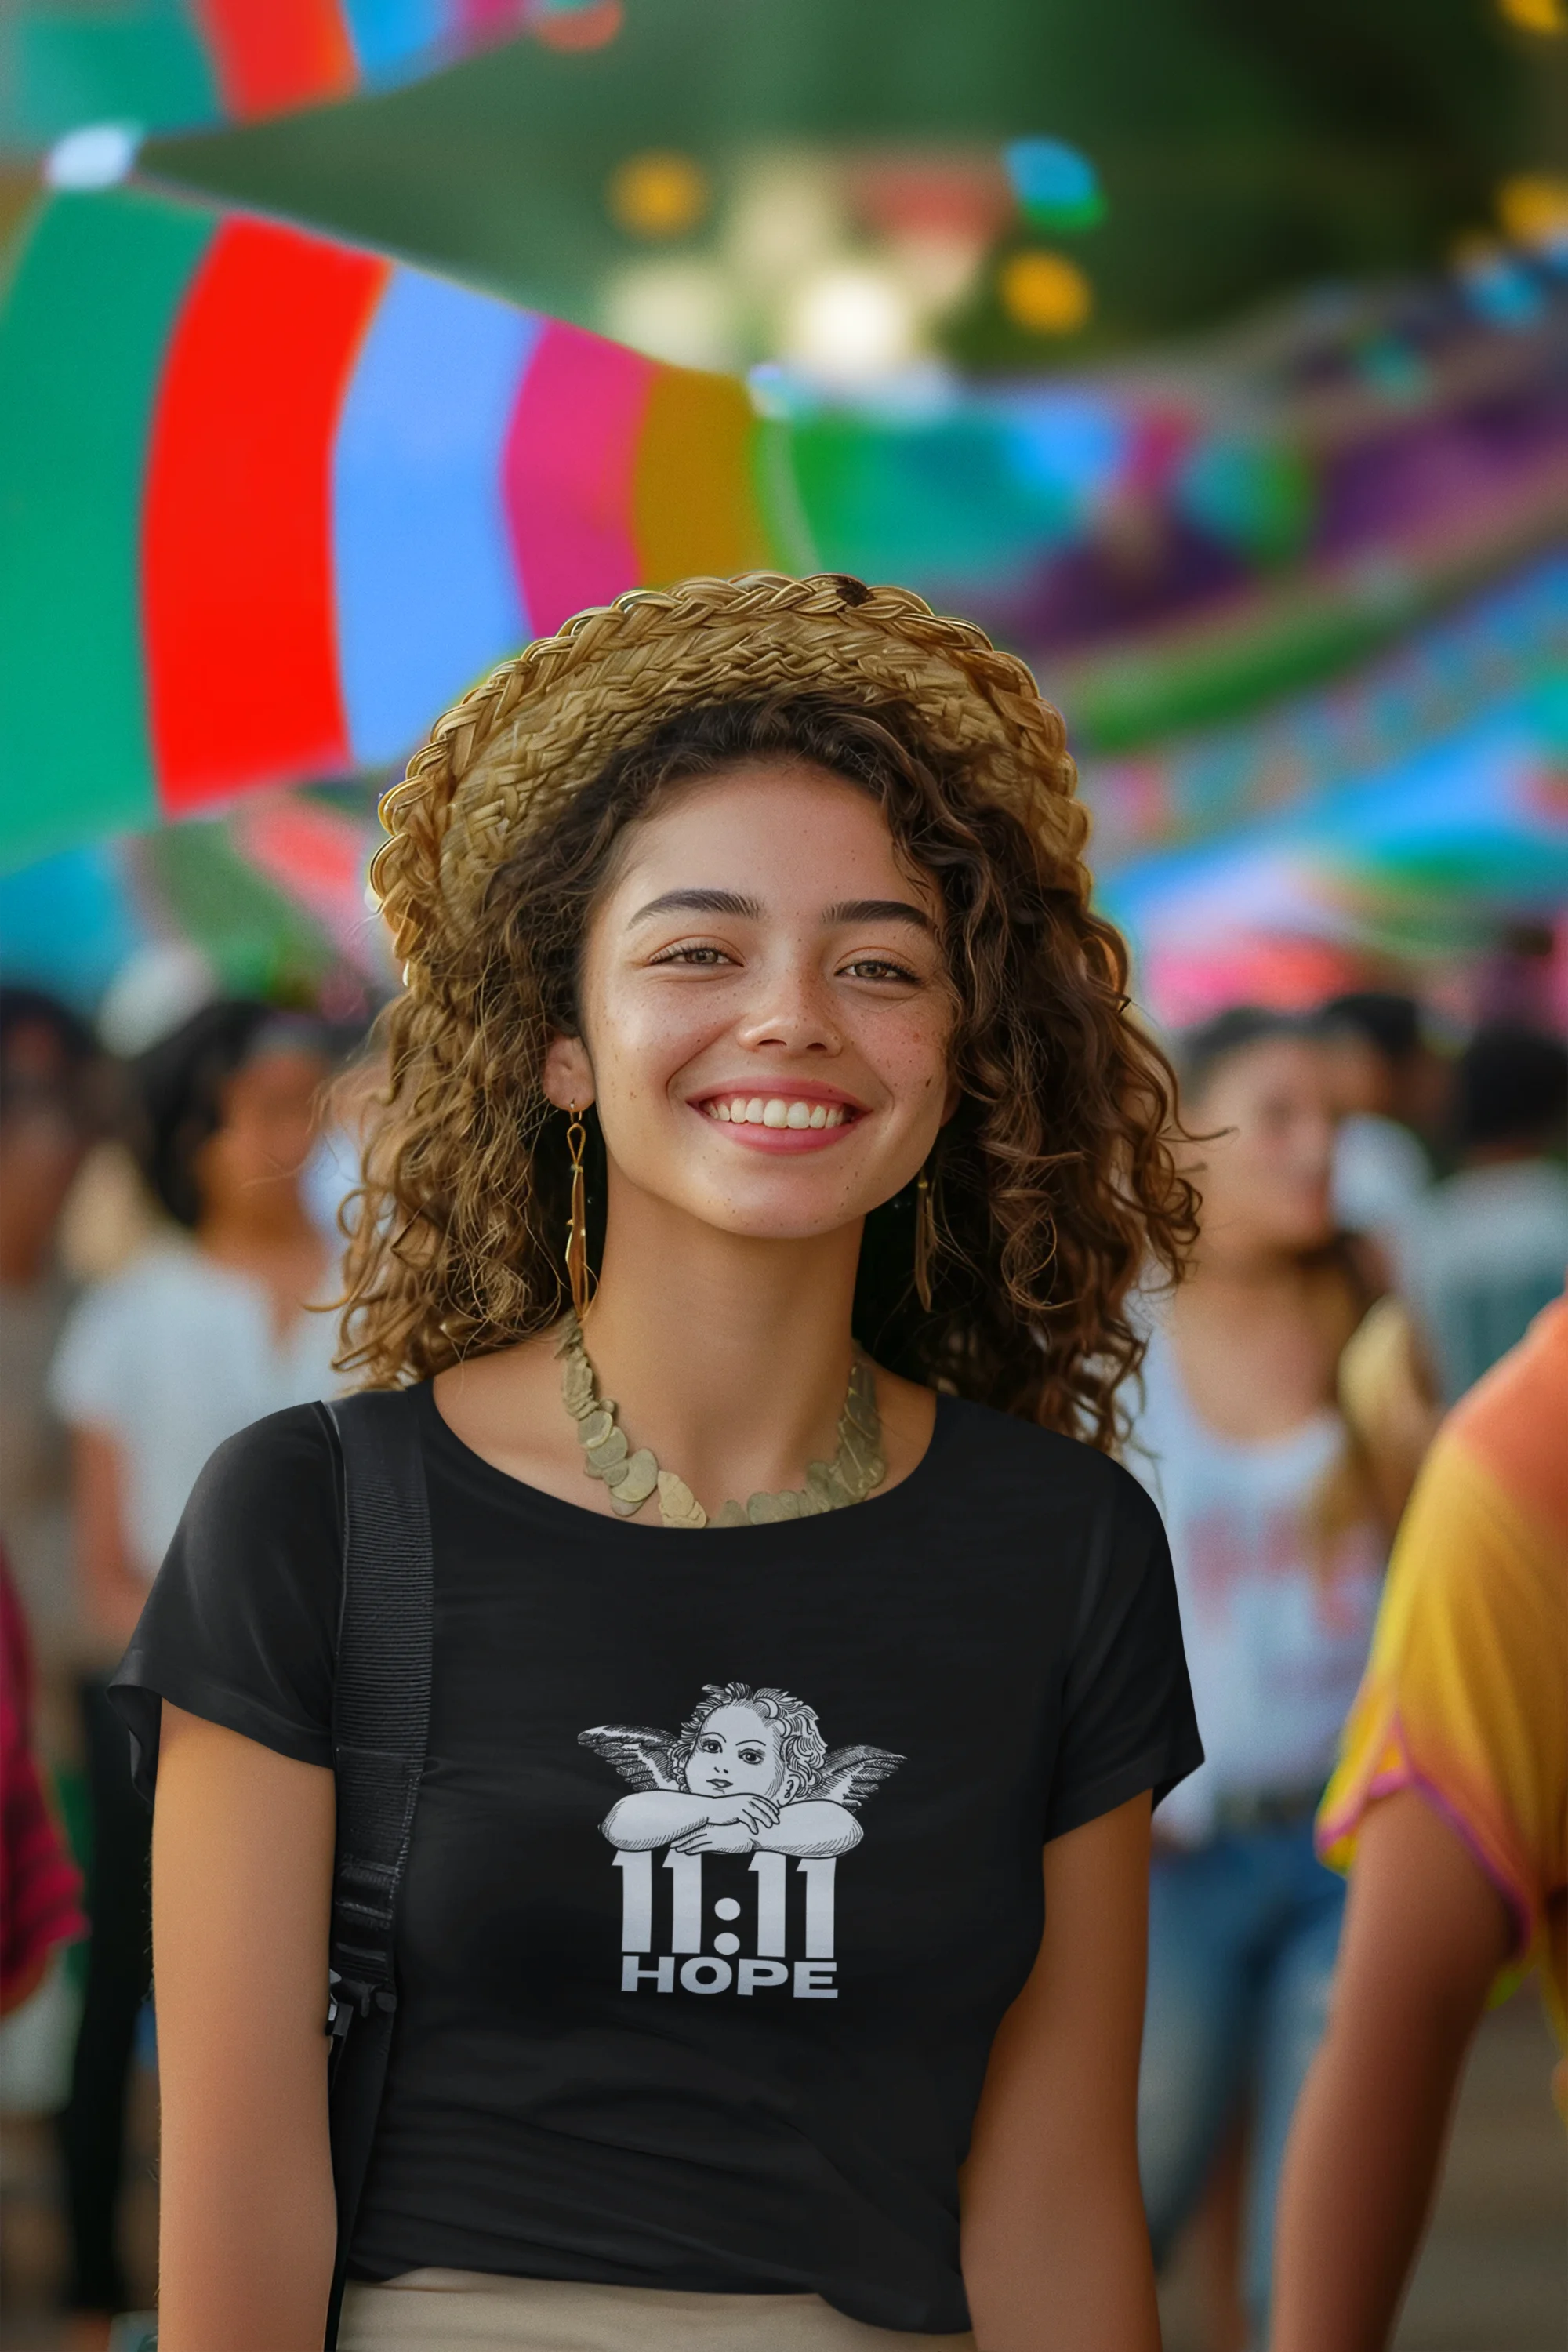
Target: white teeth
{"points": [[775, 1110]]}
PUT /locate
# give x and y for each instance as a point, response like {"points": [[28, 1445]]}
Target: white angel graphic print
{"points": [[748, 1774]]}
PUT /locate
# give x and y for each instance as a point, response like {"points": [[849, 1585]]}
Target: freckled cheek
{"points": [[910, 1058], [641, 1048]]}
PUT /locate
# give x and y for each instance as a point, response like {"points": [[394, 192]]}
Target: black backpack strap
{"points": [[381, 1721]]}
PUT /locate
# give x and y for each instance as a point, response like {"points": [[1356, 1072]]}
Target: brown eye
{"points": [[701, 957], [879, 968]]}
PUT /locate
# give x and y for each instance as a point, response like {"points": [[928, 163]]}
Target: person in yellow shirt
{"points": [[1449, 1808]]}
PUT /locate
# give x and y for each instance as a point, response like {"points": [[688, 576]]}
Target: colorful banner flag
{"points": [[1473, 826], [269, 503], [191, 65]]}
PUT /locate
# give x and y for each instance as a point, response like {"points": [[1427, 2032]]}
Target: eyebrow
{"points": [[730, 902], [880, 910], [701, 902]]}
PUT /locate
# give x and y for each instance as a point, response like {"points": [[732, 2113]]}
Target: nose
{"points": [[794, 1014]]}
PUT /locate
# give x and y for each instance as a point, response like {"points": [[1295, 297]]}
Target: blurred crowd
{"points": [[1385, 1215], [167, 1232], [1384, 1221]]}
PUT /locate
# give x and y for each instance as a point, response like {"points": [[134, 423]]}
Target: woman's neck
{"points": [[1247, 1267], [1257, 1332], [276, 1244], [257, 1226], [727, 1355], [728, 1358]]}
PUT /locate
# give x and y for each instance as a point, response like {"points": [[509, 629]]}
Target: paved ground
{"points": [[1494, 2278]]}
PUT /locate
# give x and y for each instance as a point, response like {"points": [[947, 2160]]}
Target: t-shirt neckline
{"points": [[578, 1519]]}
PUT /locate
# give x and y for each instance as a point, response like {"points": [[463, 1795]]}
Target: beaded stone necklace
{"points": [[849, 1478]]}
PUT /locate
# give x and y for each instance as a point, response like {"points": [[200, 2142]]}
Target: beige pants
{"points": [[464, 2311]]}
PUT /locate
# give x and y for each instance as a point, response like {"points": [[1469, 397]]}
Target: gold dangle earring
{"points": [[925, 1238], [577, 1274]]}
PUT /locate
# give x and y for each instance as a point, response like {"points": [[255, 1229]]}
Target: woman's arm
{"points": [[242, 1866], [1055, 2248], [113, 1591], [1425, 1932]]}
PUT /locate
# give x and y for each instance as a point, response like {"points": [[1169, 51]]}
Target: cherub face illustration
{"points": [[736, 1752]]}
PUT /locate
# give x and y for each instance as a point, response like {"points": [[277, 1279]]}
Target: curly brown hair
{"points": [[1055, 1183]]}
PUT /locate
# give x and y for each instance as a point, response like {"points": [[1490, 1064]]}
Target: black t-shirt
{"points": [[727, 1858]]}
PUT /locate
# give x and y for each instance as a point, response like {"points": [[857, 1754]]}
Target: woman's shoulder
{"points": [[1007, 1448], [241, 1626], [270, 1492], [273, 1462], [262, 1527]]}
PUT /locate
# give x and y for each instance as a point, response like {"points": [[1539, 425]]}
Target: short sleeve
{"points": [[1462, 1696], [93, 1362], [1128, 1720], [241, 1626]]}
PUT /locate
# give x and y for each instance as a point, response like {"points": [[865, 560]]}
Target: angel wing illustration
{"points": [[639, 1753], [850, 1775]]}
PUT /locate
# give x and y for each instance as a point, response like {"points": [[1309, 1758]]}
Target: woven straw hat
{"points": [[502, 761]]}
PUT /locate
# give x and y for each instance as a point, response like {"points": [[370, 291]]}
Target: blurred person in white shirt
{"points": [[207, 1328], [1278, 1523]]}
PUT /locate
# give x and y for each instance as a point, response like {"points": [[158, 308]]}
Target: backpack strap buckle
{"points": [[352, 1997]]}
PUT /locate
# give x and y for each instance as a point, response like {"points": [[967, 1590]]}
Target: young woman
{"points": [[203, 1331], [1278, 1543], [768, 894]]}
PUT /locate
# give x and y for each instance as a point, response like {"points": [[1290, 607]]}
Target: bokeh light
{"points": [[1044, 292], [1497, 284], [850, 323], [1535, 15], [787, 219], [97, 156], [1056, 188], [682, 311], [576, 24], [1534, 209], [658, 194]]}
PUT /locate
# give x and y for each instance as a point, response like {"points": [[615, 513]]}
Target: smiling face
{"points": [[737, 1753], [764, 1006]]}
